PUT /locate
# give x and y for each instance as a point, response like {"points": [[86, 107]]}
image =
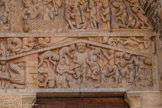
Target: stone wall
{"points": [[80, 48]]}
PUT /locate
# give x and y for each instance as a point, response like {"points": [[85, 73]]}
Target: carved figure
{"points": [[17, 72], [65, 52], [94, 63], [144, 79], [106, 13], [132, 41], [117, 74], [51, 56], [28, 44], [147, 41], [107, 71], [115, 15], [94, 14], [4, 23], [109, 55], [75, 16], [2, 49], [61, 81], [54, 9], [143, 18], [80, 59], [4, 75], [4, 16], [47, 77], [31, 11], [132, 73], [43, 42], [14, 46]]}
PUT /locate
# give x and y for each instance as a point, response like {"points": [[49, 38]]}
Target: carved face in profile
{"points": [[81, 47]]}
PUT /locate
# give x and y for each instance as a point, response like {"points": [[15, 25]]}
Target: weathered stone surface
{"points": [[80, 48]]}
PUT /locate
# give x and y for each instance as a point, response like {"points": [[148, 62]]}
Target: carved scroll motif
{"points": [[90, 66]]}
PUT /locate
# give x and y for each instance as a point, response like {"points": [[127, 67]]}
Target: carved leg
{"points": [[41, 62]]}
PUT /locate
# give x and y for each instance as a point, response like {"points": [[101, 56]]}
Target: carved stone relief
{"points": [[17, 74], [84, 14], [143, 44], [2, 48], [72, 15], [90, 66], [153, 9], [92, 62], [22, 45], [70, 62], [4, 15], [128, 14], [12, 75], [43, 16]]}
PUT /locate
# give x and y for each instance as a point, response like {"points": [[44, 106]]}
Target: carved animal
{"points": [[51, 56]]}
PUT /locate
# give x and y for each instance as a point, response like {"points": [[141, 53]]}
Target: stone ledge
{"points": [[82, 34]]}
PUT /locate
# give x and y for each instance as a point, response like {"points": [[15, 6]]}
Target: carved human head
{"points": [[41, 70], [4, 19], [116, 4], [81, 47], [72, 47]]}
